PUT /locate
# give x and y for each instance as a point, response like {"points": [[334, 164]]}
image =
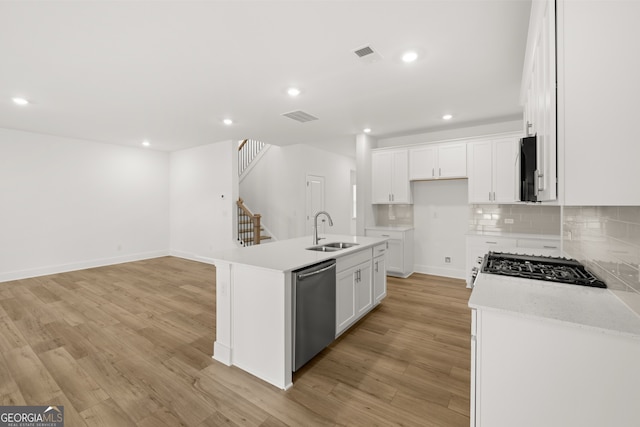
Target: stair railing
{"points": [[248, 225], [247, 151]]}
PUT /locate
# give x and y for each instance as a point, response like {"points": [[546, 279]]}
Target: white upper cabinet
{"points": [[438, 161], [493, 170], [538, 94], [390, 177], [598, 90], [480, 172]]}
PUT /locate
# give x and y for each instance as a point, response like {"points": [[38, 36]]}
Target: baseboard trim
{"points": [[192, 257], [453, 273], [81, 265]]}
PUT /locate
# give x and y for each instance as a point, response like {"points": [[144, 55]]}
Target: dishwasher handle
{"points": [[313, 273]]}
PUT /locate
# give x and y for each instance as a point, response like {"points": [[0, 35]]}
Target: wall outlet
{"points": [[447, 259], [508, 220]]}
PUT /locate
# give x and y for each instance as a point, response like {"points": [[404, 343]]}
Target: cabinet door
{"points": [[345, 299], [505, 170], [363, 290], [400, 187], [422, 163], [379, 278], [381, 176], [480, 172], [452, 161], [395, 256], [539, 88]]}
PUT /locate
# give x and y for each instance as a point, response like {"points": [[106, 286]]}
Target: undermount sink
{"points": [[340, 245], [323, 248], [332, 247]]}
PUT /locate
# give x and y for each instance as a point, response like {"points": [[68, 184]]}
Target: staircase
{"points": [[248, 151], [249, 228]]}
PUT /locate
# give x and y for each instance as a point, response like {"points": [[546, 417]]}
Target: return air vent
{"points": [[367, 54], [300, 116], [364, 51]]}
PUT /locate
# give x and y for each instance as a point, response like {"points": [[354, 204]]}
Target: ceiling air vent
{"points": [[367, 54], [300, 116], [364, 51]]}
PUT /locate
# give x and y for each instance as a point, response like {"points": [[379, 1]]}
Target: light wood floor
{"points": [[131, 345]]}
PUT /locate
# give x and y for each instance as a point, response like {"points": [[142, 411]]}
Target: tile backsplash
{"points": [[393, 215], [528, 219], [607, 240]]}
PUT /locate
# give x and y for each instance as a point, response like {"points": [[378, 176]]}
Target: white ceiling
{"points": [[170, 71]]}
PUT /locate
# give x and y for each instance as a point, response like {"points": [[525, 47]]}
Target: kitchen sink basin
{"points": [[332, 247], [323, 248], [340, 245]]}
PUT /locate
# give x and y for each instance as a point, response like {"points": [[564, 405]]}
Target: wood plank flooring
{"points": [[131, 345]]}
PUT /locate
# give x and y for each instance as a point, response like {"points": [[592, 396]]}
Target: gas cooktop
{"points": [[551, 269]]}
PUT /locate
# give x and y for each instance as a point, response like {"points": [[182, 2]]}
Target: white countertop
{"points": [[291, 254], [582, 306]]}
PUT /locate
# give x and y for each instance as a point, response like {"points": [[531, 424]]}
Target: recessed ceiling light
{"points": [[293, 91], [20, 101], [227, 122], [366, 130], [409, 56], [146, 143], [447, 117]]}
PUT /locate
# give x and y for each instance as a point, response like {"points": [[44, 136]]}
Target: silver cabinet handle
{"points": [[492, 243], [550, 247], [439, 171], [433, 172]]}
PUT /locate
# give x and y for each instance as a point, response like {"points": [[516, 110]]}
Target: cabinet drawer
{"points": [[348, 261], [539, 244], [491, 242], [399, 235], [380, 249]]}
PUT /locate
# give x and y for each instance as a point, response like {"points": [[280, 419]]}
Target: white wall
{"points": [[203, 193], [441, 219], [364, 144], [276, 189], [69, 204]]}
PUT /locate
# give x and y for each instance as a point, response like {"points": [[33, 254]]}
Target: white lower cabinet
{"points": [[345, 300], [358, 285], [379, 274], [399, 260], [363, 288], [530, 372]]}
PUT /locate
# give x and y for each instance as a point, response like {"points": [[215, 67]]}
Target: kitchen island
{"points": [[552, 354], [254, 299]]}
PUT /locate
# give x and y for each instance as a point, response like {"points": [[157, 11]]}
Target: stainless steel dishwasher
{"points": [[314, 310]]}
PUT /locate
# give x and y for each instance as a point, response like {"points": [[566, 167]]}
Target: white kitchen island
{"points": [[254, 300]]}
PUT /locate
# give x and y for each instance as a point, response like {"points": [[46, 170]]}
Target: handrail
{"points": [[252, 234]]}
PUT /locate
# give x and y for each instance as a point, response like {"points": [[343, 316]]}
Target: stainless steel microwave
{"points": [[528, 169]]}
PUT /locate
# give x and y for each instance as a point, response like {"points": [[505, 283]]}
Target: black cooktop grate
{"points": [[551, 269]]}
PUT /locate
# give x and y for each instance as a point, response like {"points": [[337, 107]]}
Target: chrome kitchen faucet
{"points": [[316, 239]]}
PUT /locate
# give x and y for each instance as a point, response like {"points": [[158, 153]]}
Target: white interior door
{"points": [[315, 201]]}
